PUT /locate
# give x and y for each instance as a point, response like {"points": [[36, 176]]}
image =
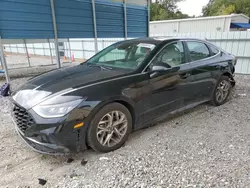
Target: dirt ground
{"points": [[205, 147]]}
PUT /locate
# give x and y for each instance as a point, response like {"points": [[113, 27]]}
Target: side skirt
{"points": [[168, 115]]}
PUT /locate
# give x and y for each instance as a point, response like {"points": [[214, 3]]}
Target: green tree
{"points": [[226, 7], [165, 10]]}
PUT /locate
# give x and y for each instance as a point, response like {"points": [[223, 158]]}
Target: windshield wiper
{"points": [[101, 66]]}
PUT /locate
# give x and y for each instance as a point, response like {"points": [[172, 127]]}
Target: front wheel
{"points": [[221, 91], [110, 128]]}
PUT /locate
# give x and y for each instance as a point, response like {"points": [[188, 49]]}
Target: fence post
{"points": [[178, 27], [34, 49], [27, 53], [17, 49], [70, 55], [3, 60], [148, 18], [83, 51], [125, 19], [102, 44], [55, 33], [50, 52], [43, 50], [10, 48], [95, 30]]}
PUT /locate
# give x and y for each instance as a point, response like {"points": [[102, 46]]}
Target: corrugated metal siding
{"points": [[137, 21], [227, 25], [132, 2], [160, 28], [137, 2], [32, 19], [74, 18], [109, 19], [189, 26], [25, 19], [239, 19], [202, 25]]}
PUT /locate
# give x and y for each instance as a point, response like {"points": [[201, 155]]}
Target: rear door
{"points": [[201, 61]]}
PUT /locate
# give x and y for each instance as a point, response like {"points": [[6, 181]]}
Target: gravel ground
{"points": [[204, 147]]}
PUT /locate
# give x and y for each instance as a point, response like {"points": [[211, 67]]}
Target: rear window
{"points": [[198, 51], [214, 50]]}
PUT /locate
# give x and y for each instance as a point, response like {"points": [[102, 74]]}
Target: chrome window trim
{"points": [[186, 40]]}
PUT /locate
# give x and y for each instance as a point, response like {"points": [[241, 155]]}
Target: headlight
{"points": [[56, 110]]}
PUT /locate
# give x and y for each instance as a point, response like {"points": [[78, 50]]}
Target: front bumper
{"points": [[43, 148], [54, 136]]}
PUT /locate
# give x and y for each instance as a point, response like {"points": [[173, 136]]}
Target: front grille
{"points": [[22, 118]]}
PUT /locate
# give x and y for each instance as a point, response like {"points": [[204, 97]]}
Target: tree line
{"points": [[168, 9]]}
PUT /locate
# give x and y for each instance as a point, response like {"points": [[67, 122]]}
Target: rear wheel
{"points": [[110, 128], [221, 91]]}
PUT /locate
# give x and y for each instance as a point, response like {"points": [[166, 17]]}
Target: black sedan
{"points": [[125, 87]]}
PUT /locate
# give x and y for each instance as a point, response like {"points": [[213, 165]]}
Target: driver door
{"points": [[170, 81]]}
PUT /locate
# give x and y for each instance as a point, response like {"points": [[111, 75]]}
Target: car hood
{"points": [[60, 81]]}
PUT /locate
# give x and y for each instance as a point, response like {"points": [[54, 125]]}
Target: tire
{"points": [[101, 128], [216, 100]]}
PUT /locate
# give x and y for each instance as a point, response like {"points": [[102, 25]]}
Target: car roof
{"points": [[164, 39]]}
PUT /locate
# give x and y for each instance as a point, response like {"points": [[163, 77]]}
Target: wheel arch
{"points": [[130, 109], [123, 101], [228, 74]]}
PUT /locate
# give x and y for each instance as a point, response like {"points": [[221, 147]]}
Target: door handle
{"points": [[186, 75]]}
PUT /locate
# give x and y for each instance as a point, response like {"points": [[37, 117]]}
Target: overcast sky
{"points": [[192, 7]]}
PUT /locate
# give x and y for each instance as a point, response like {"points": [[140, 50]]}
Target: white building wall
{"points": [[221, 24], [163, 27], [213, 25], [202, 24], [239, 19]]}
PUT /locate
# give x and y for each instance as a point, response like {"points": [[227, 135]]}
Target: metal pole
{"points": [[50, 52], [17, 49], [94, 21], [69, 51], [44, 54], [27, 53], [34, 49], [10, 48], [83, 51], [178, 26], [3, 61], [125, 20], [102, 44], [55, 33], [148, 18]]}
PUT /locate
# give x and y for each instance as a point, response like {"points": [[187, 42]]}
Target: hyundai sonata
{"points": [[125, 87]]}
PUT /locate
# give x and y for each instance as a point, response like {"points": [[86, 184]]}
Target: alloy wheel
{"points": [[112, 128], [222, 91]]}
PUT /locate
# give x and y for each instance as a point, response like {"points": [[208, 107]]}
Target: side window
{"points": [[141, 52], [198, 50], [214, 50], [171, 56]]}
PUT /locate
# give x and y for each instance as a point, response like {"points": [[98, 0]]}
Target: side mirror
{"points": [[158, 68]]}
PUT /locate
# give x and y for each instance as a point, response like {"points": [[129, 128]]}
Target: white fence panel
{"points": [[236, 43]]}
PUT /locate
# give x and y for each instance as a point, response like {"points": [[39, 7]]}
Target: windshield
{"points": [[125, 55]]}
